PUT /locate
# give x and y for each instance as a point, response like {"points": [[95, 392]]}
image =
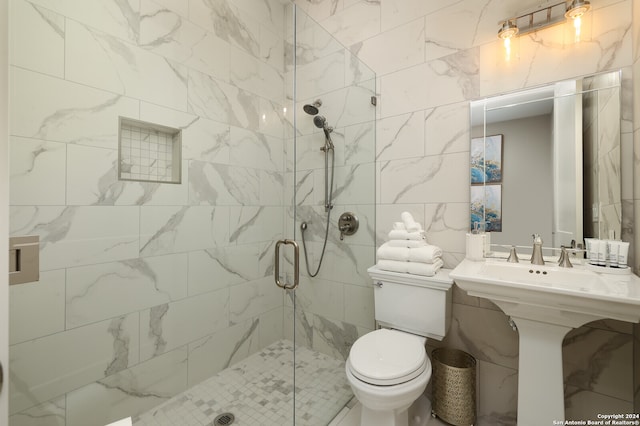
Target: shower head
{"points": [[312, 109], [319, 121]]}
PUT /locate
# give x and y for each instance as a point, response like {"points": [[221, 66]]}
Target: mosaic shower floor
{"points": [[259, 391]]}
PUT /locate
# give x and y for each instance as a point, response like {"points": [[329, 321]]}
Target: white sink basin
{"points": [[546, 276], [545, 302], [571, 296]]}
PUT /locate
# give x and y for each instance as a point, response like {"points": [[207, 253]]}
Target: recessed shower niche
{"points": [[149, 152]]}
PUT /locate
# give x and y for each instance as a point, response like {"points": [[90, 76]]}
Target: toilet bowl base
{"points": [[384, 418], [419, 414]]}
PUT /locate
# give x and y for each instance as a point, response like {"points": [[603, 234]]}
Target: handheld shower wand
{"points": [[328, 149]]}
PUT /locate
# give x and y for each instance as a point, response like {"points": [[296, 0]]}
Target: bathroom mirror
{"points": [[547, 160]]}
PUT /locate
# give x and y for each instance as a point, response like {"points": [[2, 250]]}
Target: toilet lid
{"points": [[387, 357]]}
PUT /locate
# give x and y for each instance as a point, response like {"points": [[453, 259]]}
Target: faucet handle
{"points": [[536, 255], [564, 261], [513, 256]]}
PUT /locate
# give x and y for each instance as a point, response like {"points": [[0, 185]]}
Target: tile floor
{"points": [[259, 391]]}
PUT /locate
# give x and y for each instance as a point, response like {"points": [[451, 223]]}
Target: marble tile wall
{"points": [[140, 282], [431, 59]]}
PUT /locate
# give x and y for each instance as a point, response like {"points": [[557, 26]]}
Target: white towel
{"points": [[393, 265], [426, 254], [426, 269], [404, 235], [414, 268], [399, 226], [407, 243], [387, 252], [409, 223]]}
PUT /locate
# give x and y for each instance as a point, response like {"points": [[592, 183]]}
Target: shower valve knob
{"points": [[347, 224]]}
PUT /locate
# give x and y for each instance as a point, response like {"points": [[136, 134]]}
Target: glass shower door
{"points": [[330, 171]]}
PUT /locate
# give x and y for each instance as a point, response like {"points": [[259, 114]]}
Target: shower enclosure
{"points": [[159, 151]]}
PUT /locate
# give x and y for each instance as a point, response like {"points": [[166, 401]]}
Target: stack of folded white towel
{"points": [[408, 251]]}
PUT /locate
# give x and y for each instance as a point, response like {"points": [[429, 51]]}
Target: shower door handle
{"points": [[296, 265]]}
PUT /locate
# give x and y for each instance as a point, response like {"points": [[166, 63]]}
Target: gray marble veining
{"points": [[60, 117], [52, 231], [216, 184], [428, 174], [169, 228], [131, 15], [463, 67], [110, 189], [246, 224], [226, 261], [155, 327], [222, 102], [52, 413], [170, 32], [229, 26], [339, 336], [120, 347], [249, 334], [601, 371], [29, 164], [396, 134], [55, 24]]}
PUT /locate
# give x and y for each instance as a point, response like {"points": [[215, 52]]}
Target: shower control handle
{"points": [[348, 224]]}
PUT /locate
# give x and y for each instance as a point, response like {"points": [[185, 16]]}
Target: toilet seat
{"points": [[387, 357]]}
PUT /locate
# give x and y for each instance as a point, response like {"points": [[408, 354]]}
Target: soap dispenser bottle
{"points": [[476, 243]]}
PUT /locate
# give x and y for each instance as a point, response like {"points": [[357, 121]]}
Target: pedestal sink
{"points": [[546, 302]]}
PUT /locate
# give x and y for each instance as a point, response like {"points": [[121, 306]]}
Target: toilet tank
{"points": [[413, 303]]}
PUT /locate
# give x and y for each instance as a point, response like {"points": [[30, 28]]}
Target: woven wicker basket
{"points": [[454, 386]]}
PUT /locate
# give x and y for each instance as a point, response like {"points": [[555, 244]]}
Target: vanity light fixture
{"points": [[552, 13], [508, 30], [575, 10]]}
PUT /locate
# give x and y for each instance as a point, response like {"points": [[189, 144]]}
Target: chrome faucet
{"points": [[513, 256], [536, 256], [564, 261]]}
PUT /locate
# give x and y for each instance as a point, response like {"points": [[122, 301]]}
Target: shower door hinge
{"points": [[374, 101]]}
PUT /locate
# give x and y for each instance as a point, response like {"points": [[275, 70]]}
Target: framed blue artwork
{"points": [[486, 206], [486, 160]]}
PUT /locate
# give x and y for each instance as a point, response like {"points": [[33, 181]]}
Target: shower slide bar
{"points": [[296, 265]]}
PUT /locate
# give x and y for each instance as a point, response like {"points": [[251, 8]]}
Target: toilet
{"points": [[388, 369]]}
